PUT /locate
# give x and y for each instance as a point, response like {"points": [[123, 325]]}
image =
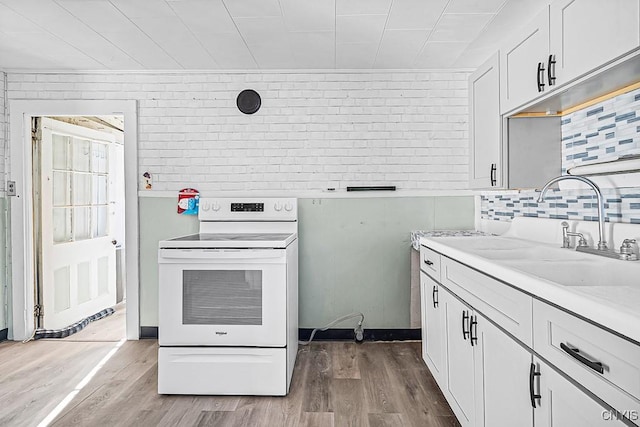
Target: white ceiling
{"points": [[254, 34]]}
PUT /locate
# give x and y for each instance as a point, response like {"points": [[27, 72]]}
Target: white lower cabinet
{"points": [[561, 403], [493, 378], [487, 371], [433, 331]]}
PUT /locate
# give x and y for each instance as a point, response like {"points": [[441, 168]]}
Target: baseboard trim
{"points": [[148, 332], [369, 334], [151, 332], [4, 334]]}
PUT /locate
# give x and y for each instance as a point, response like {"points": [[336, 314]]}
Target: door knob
{"points": [[114, 242]]}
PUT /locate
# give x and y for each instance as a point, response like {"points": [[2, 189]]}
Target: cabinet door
{"points": [[460, 386], [588, 33], [561, 403], [433, 332], [502, 377], [485, 129], [519, 60]]}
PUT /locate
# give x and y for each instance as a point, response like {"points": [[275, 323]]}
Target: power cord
{"points": [[358, 331]]}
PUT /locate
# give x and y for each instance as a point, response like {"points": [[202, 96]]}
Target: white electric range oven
{"points": [[228, 300]]}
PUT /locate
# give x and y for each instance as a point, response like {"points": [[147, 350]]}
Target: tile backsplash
{"points": [[621, 205], [604, 131], [601, 132]]}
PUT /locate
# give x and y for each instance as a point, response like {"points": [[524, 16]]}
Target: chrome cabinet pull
{"points": [[494, 170], [551, 75], [540, 76], [532, 394], [465, 319], [473, 324], [575, 353], [434, 294]]}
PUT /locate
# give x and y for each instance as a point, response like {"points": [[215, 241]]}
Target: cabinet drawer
{"points": [[430, 262], [558, 333], [507, 307]]}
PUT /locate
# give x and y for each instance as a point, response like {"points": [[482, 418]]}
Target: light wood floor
{"points": [[334, 384]]}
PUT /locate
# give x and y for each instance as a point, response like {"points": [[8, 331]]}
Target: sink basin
{"points": [[539, 253], [493, 243], [584, 272]]}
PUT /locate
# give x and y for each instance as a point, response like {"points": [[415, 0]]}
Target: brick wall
{"points": [[314, 130]]}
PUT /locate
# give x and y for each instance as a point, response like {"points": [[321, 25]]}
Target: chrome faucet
{"points": [[602, 244], [566, 235]]}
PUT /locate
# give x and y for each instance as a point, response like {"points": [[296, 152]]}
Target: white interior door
{"points": [[78, 256]]}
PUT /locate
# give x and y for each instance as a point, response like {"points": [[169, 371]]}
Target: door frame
{"points": [[21, 171]]}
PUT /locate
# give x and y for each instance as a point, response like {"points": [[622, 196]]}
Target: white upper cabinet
{"points": [[485, 167], [567, 40], [586, 34], [522, 63]]}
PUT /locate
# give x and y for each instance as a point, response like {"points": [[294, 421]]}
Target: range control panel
{"points": [[247, 207]]}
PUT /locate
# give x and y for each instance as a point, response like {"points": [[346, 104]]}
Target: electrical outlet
{"points": [[11, 188]]}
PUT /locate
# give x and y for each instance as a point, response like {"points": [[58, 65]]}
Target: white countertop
{"points": [[603, 290]]}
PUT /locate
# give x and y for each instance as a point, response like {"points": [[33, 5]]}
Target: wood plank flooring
{"points": [[334, 384]]}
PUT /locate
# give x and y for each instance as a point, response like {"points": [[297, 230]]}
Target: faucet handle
{"points": [[627, 249]]}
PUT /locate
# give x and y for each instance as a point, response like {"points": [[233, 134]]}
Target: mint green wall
{"points": [[354, 253]]}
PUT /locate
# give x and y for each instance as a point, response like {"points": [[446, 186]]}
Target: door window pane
{"points": [[61, 152], [100, 157], [61, 188], [81, 189], [61, 225], [222, 297], [81, 223], [81, 155], [99, 190], [100, 220]]}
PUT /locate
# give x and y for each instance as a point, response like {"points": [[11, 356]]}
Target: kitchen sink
{"points": [[586, 272]]}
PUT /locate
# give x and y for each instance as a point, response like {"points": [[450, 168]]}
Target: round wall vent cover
{"points": [[248, 101]]}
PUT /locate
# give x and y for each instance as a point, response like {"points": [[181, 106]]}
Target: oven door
{"points": [[222, 297]]}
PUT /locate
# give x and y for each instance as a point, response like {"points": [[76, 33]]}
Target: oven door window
{"points": [[222, 297]]}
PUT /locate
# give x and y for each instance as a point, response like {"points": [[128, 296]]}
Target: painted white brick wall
{"points": [[314, 130]]}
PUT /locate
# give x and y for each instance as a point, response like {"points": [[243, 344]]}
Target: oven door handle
{"points": [[221, 254]]}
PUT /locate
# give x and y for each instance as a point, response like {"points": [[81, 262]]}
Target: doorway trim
{"points": [[22, 255]]}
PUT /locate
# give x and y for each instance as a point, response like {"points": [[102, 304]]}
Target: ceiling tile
{"points": [[415, 14], [309, 15], [362, 7], [204, 16], [460, 27], [253, 8], [273, 56], [177, 41], [229, 51], [475, 6], [399, 48], [137, 45], [263, 30], [360, 28], [510, 17], [100, 15], [355, 55], [314, 50], [12, 22], [143, 8], [440, 54]]}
